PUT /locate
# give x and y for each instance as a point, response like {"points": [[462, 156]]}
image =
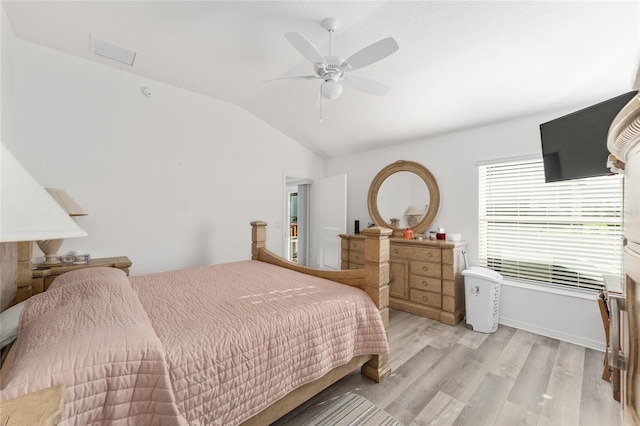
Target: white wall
{"points": [[171, 181], [453, 159], [6, 74]]}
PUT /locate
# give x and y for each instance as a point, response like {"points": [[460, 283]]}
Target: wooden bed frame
{"points": [[373, 279]]}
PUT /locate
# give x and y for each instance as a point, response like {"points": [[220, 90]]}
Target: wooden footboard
{"points": [[373, 279]]}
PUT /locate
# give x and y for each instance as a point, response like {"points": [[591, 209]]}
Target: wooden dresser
{"points": [[425, 276]]}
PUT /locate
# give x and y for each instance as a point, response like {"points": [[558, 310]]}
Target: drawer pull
{"points": [[357, 257], [425, 298], [424, 283], [395, 250], [425, 268], [429, 254]]}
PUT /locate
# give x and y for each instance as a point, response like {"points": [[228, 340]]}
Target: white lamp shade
{"points": [[27, 211], [413, 211]]}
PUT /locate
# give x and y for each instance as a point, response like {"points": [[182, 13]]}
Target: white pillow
{"points": [[9, 320]]}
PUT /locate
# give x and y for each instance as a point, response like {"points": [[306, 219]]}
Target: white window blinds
{"points": [[566, 233]]}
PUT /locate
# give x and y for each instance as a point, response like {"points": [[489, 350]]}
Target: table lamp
{"points": [[27, 213], [50, 247]]}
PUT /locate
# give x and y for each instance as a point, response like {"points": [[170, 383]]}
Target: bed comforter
{"points": [[211, 345], [94, 337], [242, 335]]}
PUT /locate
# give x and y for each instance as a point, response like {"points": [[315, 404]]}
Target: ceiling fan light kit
{"points": [[332, 69], [331, 90]]}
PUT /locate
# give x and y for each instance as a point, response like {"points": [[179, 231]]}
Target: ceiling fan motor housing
{"points": [[333, 66]]}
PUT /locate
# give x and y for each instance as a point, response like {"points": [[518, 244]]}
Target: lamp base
{"points": [[50, 261], [50, 249]]}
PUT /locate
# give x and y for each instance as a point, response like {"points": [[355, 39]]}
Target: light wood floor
{"points": [[443, 375]]}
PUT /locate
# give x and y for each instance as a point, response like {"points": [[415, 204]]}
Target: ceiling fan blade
{"points": [[365, 85], [370, 54], [295, 77], [305, 47]]}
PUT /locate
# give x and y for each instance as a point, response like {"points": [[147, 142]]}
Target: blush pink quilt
{"points": [[94, 337], [239, 336]]}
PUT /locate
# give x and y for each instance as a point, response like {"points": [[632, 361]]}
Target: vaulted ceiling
{"points": [[460, 64]]}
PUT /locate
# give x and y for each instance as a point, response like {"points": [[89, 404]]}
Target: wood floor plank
{"points": [[450, 336], [503, 334], [402, 325], [442, 410], [400, 381], [531, 384], [487, 401], [473, 340], [548, 341], [513, 414], [413, 341], [597, 406], [564, 391], [427, 385], [514, 355], [446, 375], [467, 375], [400, 413]]}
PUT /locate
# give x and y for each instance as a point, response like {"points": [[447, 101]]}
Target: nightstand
{"points": [[42, 278], [43, 407]]}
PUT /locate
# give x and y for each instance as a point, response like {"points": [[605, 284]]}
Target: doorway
{"points": [[317, 246], [293, 226], [297, 229]]}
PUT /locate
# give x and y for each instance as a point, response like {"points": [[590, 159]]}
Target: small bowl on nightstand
{"points": [[81, 259]]}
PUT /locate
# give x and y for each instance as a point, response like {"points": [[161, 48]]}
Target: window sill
{"points": [[551, 289]]}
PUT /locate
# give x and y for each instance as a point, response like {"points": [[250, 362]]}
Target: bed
{"points": [[238, 343]]}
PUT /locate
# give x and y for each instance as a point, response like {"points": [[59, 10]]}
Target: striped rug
{"points": [[351, 410]]}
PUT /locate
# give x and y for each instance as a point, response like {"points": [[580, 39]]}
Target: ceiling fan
{"points": [[333, 70]]}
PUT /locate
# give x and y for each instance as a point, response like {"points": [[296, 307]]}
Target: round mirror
{"points": [[404, 195]]}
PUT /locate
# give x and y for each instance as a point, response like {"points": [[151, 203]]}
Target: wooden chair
{"points": [[608, 372]]}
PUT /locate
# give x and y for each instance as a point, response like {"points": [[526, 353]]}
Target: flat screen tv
{"points": [[575, 146]]}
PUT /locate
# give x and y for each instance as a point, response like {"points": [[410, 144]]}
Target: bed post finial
{"points": [[376, 270], [258, 237]]}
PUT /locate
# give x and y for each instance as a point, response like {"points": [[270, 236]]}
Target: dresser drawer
{"points": [[418, 253], [426, 268], [426, 298], [424, 283]]}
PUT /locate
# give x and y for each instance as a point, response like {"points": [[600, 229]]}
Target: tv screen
{"points": [[575, 145]]}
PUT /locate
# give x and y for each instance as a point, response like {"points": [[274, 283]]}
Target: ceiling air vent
{"points": [[112, 51]]}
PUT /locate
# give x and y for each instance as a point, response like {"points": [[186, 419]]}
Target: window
{"points": [[567, 233]]}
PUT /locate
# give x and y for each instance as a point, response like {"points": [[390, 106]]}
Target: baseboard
{"points": [[555, 334]]}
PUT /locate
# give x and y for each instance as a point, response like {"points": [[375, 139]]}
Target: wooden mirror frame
{"points": [[425, 175]]}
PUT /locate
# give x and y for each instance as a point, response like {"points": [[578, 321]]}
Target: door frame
{"points": [[288, 182]]}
